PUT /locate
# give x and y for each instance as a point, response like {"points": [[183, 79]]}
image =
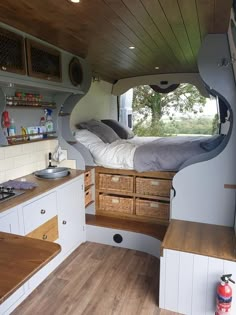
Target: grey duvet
{"points": [[170, 153]]}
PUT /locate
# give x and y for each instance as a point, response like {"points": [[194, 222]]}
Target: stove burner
{"points": [[9, 192]]}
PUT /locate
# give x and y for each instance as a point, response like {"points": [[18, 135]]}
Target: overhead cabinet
{"points": [[43, 62], [12, 52]]}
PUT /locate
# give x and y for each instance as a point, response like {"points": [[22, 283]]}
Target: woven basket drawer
{"points": [[116, 182], [154, 209], [115, 204], [88, 196], [87, 178], [153, 186]]}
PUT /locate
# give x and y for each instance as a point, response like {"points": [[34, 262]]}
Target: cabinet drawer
{"points": [[87, 178], [88, 196], [115, 204], [154, 209], [119, 183], [153, 186], [47, 231], [40, 211]]}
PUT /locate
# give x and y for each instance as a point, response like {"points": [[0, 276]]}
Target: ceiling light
{"points": [[75, 1], [131, 47], [157, 68]]}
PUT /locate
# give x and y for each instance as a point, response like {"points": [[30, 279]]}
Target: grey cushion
{"points": [[122, 131], [212, 142], [104, 132]]}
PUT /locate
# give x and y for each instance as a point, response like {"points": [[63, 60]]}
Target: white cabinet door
{"points": [[71, 215], [9, 221]]}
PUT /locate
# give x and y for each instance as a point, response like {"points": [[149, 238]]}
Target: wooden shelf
{"points": [[64, 114], [33, 140], [88, 186], [17, 102], [90, 203], [152, 229]]}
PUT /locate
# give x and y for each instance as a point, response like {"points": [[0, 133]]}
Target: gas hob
{"points": [[8, 193]]}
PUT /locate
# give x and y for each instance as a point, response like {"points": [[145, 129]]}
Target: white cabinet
{"points": [[71, 215], [66, 202], [188, 282], [39, 211], [9, 222]]}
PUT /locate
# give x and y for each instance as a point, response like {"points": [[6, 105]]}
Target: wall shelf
{"points": [[20, 139]]}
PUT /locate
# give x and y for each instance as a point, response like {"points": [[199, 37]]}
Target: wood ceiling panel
{"points": [[189, 15], [221, 18], [137, 9], [166, 33], [205, 9], [155, 11], [173, 14]]}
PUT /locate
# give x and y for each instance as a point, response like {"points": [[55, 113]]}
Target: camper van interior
{"points": [[93, 218]]}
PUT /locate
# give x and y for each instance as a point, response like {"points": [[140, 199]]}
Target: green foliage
{"points": [[184, 126], [149, 108]]}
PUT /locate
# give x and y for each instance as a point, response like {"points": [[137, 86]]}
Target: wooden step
{"points": [[152, 229]]}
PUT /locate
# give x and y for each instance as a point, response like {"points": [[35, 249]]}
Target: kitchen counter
{"points": [[44, 185], [20, 258], [203, 239]]}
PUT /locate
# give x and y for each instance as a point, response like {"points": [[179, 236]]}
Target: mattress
{"points": [[143, 153]]}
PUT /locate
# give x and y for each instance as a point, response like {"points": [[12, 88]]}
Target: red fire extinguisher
{"points": [[224, 296]]}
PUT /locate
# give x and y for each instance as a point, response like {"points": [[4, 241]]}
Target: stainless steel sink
{"points": [[52, 173]]}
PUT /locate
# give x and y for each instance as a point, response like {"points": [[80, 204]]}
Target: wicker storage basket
{"points": [[87, 178], [88, 196], [153, 186], [116, 183], [115, 204], [154, 209]]}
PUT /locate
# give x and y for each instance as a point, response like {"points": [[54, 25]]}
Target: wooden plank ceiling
{"points": [[165, 33]]}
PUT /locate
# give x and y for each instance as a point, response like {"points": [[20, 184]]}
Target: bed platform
{"points": [[133, 196]]}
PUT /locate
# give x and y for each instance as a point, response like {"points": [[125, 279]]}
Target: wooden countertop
{"points": [[203, 239], [20, 258], [44, 185]]}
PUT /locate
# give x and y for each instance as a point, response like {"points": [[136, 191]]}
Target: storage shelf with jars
{"points": [[31, 137]]}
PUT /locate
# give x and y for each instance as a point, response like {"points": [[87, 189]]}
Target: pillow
{"points": [[212, 142], [104, 132], [84, 136], [122, 131]]}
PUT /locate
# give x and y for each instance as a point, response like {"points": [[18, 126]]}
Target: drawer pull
{"points": [[155, 182], [43, 211], [45, 237], [115, 201], [64, 222], [154, 205], [115, 179]]}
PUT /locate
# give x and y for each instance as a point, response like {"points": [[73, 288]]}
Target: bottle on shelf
{"points": [[48, 123], [12, 128]]}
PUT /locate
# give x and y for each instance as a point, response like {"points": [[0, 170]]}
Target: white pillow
{"points": [[86, 137]]}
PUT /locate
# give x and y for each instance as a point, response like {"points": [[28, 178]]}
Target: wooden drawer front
{"points": [[153, 186], [87, 178], [40, 211], [47, 231], [88, 196], [154, 209], [115, 204], [116, 182]]}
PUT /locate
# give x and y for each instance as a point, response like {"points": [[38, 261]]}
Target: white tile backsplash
{"points": [[20, 160]]}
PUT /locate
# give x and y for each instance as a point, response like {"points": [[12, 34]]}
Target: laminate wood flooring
{"points": [[99, 279]]}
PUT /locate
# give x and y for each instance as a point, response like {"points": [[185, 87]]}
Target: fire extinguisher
{"points": [[224, 296]]}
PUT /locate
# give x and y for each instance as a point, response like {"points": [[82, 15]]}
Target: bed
{"points": [[141, 153]]}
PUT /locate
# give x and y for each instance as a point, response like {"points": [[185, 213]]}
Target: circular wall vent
{"points": [[75, 72], [117, 238]]}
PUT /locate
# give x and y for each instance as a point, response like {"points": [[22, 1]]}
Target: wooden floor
{"points": [[99, 280]]}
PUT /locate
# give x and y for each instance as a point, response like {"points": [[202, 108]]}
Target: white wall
{"points": [[98, 103], [200, 193], [23, 159]]}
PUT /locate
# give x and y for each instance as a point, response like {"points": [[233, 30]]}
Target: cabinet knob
{"points": [[45, 236], [43, 211], [64, 222], [4, 68]]}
